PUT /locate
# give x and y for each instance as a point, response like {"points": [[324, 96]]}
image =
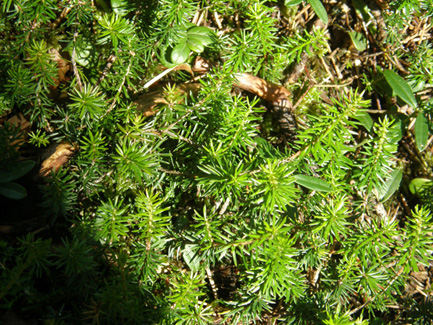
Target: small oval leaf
{"points": [[194, 43], [417, 185], [421, 131], [319, 9], [400, 87], [180, 52], [13, 190], [201, 34], [313, 183]]}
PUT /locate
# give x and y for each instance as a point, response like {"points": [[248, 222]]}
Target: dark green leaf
{"points": [[319, 9], [391, 185], [180, 52], [421, 131], [313, 183], [359, 41], [16, 171], [400, 87], [12, 190]]}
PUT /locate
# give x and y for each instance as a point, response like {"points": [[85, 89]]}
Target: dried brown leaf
{"points": [[262, 88], [59, 154], [148, 102], [184, 66], [20, 122], [62, 65]]}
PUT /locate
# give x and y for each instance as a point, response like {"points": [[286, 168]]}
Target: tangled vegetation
{"points": [[216, 162]]}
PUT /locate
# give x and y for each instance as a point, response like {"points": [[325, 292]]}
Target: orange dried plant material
{"points": [[62, 65], [148, 102], [59, 155], [20, 122], [264, 89]]}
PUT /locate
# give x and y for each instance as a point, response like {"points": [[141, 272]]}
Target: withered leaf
{"points": [[58, 156], [148, 102], [62, 65], [20, 122], [262, 88]]}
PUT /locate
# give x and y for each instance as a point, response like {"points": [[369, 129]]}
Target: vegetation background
{"points": [[216, 162]]}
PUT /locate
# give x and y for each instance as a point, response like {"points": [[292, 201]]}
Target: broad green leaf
{"points": [[16, 171], [195, 44], [400, 87], [391, 185], [313, 183], [365, 120], [200, 34], [12, 190], [417, 185], [290, 3], [359, 41], [319, 9], [421, 131], [180, 52]]}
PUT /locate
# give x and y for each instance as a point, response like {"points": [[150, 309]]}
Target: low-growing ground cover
{"points": [[226, 162]]}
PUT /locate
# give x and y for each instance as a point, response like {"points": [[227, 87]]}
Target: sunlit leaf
{"points": [[417, 185], [400, 87], [180, 52], [202, 35], [319, 9], [365, 120], [195, 44], [312, 183], [290, 3], [391, 185], [421, 131], [359, 41]]}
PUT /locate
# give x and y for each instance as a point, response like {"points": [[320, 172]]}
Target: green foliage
{"points": [[192, 39], [88, 104], [11, 189], [192, 207], [417, 242], [59, 196], [319, 9], [39, 138]]}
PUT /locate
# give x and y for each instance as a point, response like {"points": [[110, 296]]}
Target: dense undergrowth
{"points": [[184, 190]]}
